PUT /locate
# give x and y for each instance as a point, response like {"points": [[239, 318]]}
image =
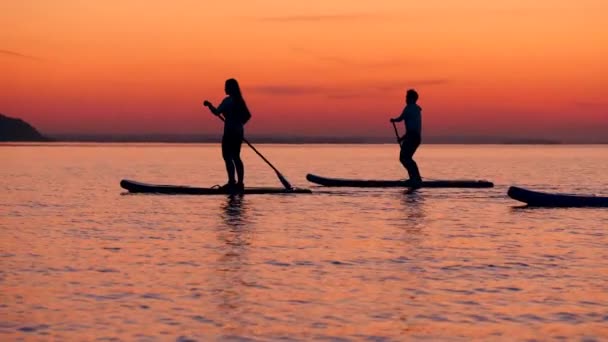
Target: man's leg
{"points": [[408, 148]]}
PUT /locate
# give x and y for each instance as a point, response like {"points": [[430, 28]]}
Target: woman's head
{"points": [[232, 88]]}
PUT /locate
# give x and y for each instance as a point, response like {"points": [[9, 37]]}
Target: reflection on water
{"points": [[80, 262], [234, 241], [235, 211], [414, 215]]}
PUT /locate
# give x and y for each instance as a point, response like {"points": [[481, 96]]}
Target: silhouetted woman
{"points": [[236, 114]]}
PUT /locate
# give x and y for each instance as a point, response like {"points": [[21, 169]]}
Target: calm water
{"points": [[81, 261]]}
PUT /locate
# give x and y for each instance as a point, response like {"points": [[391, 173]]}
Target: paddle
{"points": [[284, 181]]}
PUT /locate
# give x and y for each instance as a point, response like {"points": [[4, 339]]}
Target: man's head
{"points": [[411, 96]]}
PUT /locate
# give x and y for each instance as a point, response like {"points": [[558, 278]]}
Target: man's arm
{"points": [[400, 117]]}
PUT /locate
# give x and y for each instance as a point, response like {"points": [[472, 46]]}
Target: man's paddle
{"points": [[284, 181], [397, 133]]}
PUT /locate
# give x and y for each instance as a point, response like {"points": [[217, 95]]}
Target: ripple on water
{"points": [[339, 263], [566, 317], [185, 339], [106, 297], [277, 263], [156, 296], [205, 320], [33, 328], [331, 338], [304, 263], [433, 317]]}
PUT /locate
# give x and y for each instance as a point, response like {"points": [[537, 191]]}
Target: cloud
{"points": [[590, 104], [385, 63], [287, 90], [345, 93], [302, 90], [350, 62], [18, 55], [411, 83], [318, 18], [373, 89]]}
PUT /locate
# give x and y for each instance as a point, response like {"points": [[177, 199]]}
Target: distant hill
{"points": [[12, 129]]}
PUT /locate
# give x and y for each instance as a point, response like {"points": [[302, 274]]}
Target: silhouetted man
{"points": [[412, 115]]}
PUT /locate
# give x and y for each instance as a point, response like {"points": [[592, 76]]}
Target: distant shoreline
{"points": [[15, 130], [261, 139], [269, 139]]}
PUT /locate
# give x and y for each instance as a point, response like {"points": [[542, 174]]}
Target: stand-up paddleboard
{"points": [[139, 187], [545, 199], [368, 183]]}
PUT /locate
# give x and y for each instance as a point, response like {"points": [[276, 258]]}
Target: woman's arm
{"points": [[221, 109], [213, 110]]}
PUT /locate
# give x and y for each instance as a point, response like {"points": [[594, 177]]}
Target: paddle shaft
{"points": [[282, 178], [396, 133], [261, 156]]}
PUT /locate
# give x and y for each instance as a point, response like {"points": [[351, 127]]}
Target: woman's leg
{"points": [[228, 159], [238, 163]]}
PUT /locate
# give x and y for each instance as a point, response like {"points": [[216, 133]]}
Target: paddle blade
{"points": [[284, 181]]}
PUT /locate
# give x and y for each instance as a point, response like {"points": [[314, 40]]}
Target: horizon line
{"points": [[271, 139]]}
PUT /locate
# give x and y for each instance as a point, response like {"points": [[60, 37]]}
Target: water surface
{"points": [[80, 260]]}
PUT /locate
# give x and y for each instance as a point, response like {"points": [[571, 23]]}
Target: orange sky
{"points": [[316, 67]]}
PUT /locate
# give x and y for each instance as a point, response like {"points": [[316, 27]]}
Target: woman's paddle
{"points": [[284, 181]]}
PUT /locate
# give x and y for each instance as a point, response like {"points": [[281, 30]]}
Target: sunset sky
{"points": [[515, 68]]}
